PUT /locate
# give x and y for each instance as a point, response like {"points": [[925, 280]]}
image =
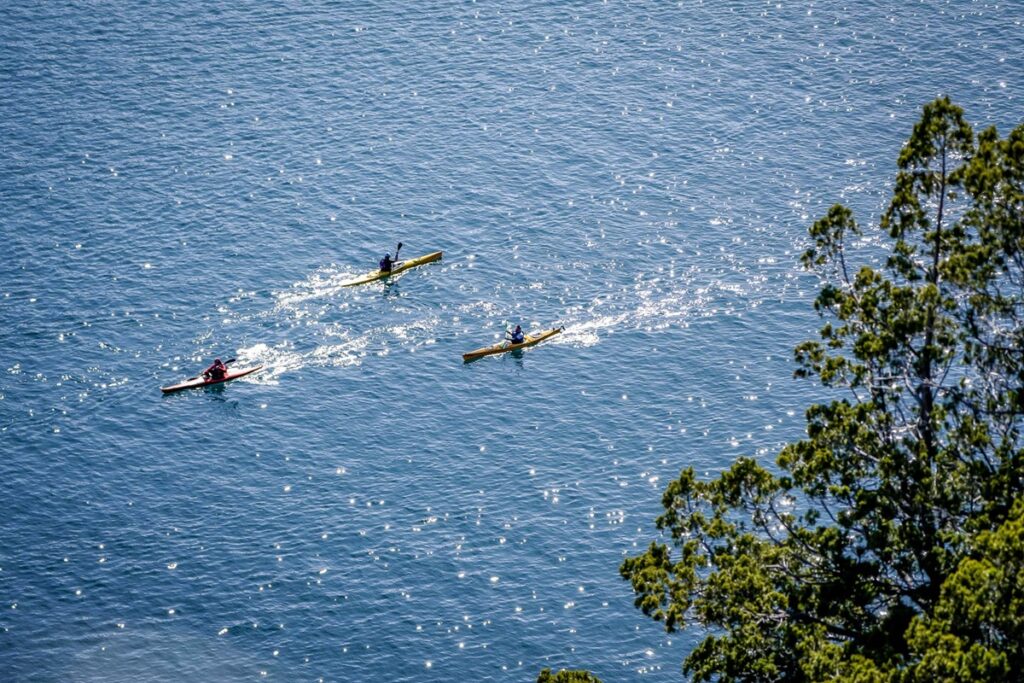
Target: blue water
{"points": [[181, 180]]}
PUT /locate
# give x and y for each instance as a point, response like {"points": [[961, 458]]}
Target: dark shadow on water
{"points": [[517, 356], [216, 393], [225, 402]]}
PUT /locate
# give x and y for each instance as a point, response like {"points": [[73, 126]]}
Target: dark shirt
{"points": [[216, 371]]}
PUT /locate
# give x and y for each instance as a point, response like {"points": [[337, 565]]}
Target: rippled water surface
{"points": [[185, 180]]}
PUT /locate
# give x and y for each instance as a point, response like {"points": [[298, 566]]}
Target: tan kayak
{"points": [[395, 270], [505, 347]]}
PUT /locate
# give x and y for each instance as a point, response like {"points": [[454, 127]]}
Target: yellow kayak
{"points": [[395, 270], [505, 346]]}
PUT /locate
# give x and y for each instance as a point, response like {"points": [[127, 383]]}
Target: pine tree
{"points": [[882, 546]]}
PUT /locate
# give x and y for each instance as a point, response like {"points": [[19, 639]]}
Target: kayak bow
{"points": [[398, 268], [198, 382], [504, 347]]}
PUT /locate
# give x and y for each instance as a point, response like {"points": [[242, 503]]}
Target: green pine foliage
{"points": [[888, 545], [567, 676]]}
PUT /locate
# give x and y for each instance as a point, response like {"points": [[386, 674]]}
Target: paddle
{"points": [[395, 262]]}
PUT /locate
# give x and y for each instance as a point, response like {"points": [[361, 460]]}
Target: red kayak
{"points": [[198, 381]]}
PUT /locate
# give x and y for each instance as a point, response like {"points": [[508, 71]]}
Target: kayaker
{"points": [[518, 337], [386, 263], [216, 371]]}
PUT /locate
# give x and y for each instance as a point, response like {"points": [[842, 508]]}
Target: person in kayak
{"points": [[216, 371], [386, 264], [518, 337]]}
